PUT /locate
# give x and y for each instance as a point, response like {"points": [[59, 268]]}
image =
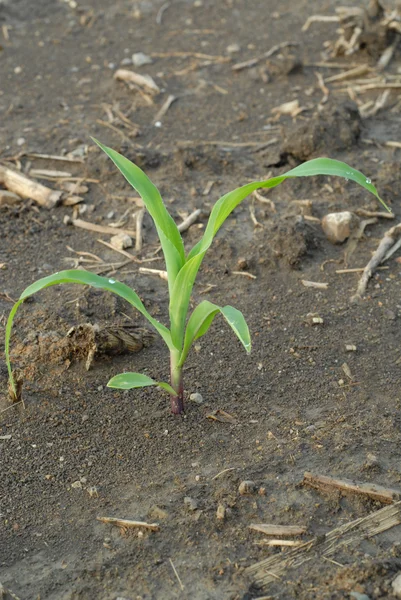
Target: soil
{"points": [[75, 449]]}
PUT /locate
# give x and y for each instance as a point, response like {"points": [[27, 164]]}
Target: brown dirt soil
{"points": [[77, 449]]}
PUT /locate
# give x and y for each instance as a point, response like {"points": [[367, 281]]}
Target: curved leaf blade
{"points": [[129, 381], [84, 278], [318, 166], [181, 293], [202, 318], [170, 237]]}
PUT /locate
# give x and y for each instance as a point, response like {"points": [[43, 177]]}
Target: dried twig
{"points": [[315, 284], [283, 543], [161, 11], [289, 530], [126, 523], [100, 228], [270, 569], [244, 274], [139, 223], [25, 187], [143, 81], [190, 220], [373, 491], [158, 272], [176, 574], [389, 240], [165, 106], [254, 61], [372, 213], [71, 159]]}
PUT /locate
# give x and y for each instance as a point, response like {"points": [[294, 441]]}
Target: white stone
{"points": [[121, 241], [197, 398], [338, 226], [233, 48], [139, 59]]}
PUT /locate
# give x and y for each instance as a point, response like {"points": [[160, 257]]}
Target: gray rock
{"points": [[396, 585], [197, 398], [359, 596], [139, 59]]}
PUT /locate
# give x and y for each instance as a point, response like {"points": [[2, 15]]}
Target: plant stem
{"points": [[177, 401]]}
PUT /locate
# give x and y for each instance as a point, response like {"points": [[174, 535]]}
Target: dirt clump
{"points": [[336, 127]]}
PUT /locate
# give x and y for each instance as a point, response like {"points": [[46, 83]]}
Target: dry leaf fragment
{"points": [[222, 416], [290, 108], [143, 81]]}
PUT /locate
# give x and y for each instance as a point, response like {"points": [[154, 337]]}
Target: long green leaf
{"points": [[170, 237], [182, 290], [84, 278], [128, 381], [201, 320]]}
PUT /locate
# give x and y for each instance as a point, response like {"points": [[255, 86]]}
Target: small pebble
{"points": [[221, 512], [350, 348], [396, 585], [18, 70], [93, 491], [21, 141], [191, 503], [121, 241], [139, 59], [233, 48], [242, 263], [77, 485], [197, 398], [338, 226], [359, 596], [314, 319], [247, 488]]}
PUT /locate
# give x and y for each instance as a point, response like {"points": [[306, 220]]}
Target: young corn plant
{"points": [[182, 269]]}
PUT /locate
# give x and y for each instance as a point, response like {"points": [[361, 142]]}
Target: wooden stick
{"points": [[315, 284], [27, 188], [158, 272], [164, 108], [350, 74], [176, 574], [128, 523], [221, 59], [358, 270], [144, 81], [386, 243], [244, 274], [139, 222], [55, 157], [278, 543], [289, 530], [371, 213], [101, 228], [8, 198], [49, 174], [190, 220], [376, 492]]}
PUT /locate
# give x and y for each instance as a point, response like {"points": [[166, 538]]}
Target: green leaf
{"points": [[128, 381], [84, 278], [182, 289], [170, 237], [201, 320]]}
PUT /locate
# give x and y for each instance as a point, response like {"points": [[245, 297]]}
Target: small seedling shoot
{"points": [[182, 268]]}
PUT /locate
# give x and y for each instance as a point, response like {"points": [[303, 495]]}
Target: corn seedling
{"points": [[182, 269]]}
